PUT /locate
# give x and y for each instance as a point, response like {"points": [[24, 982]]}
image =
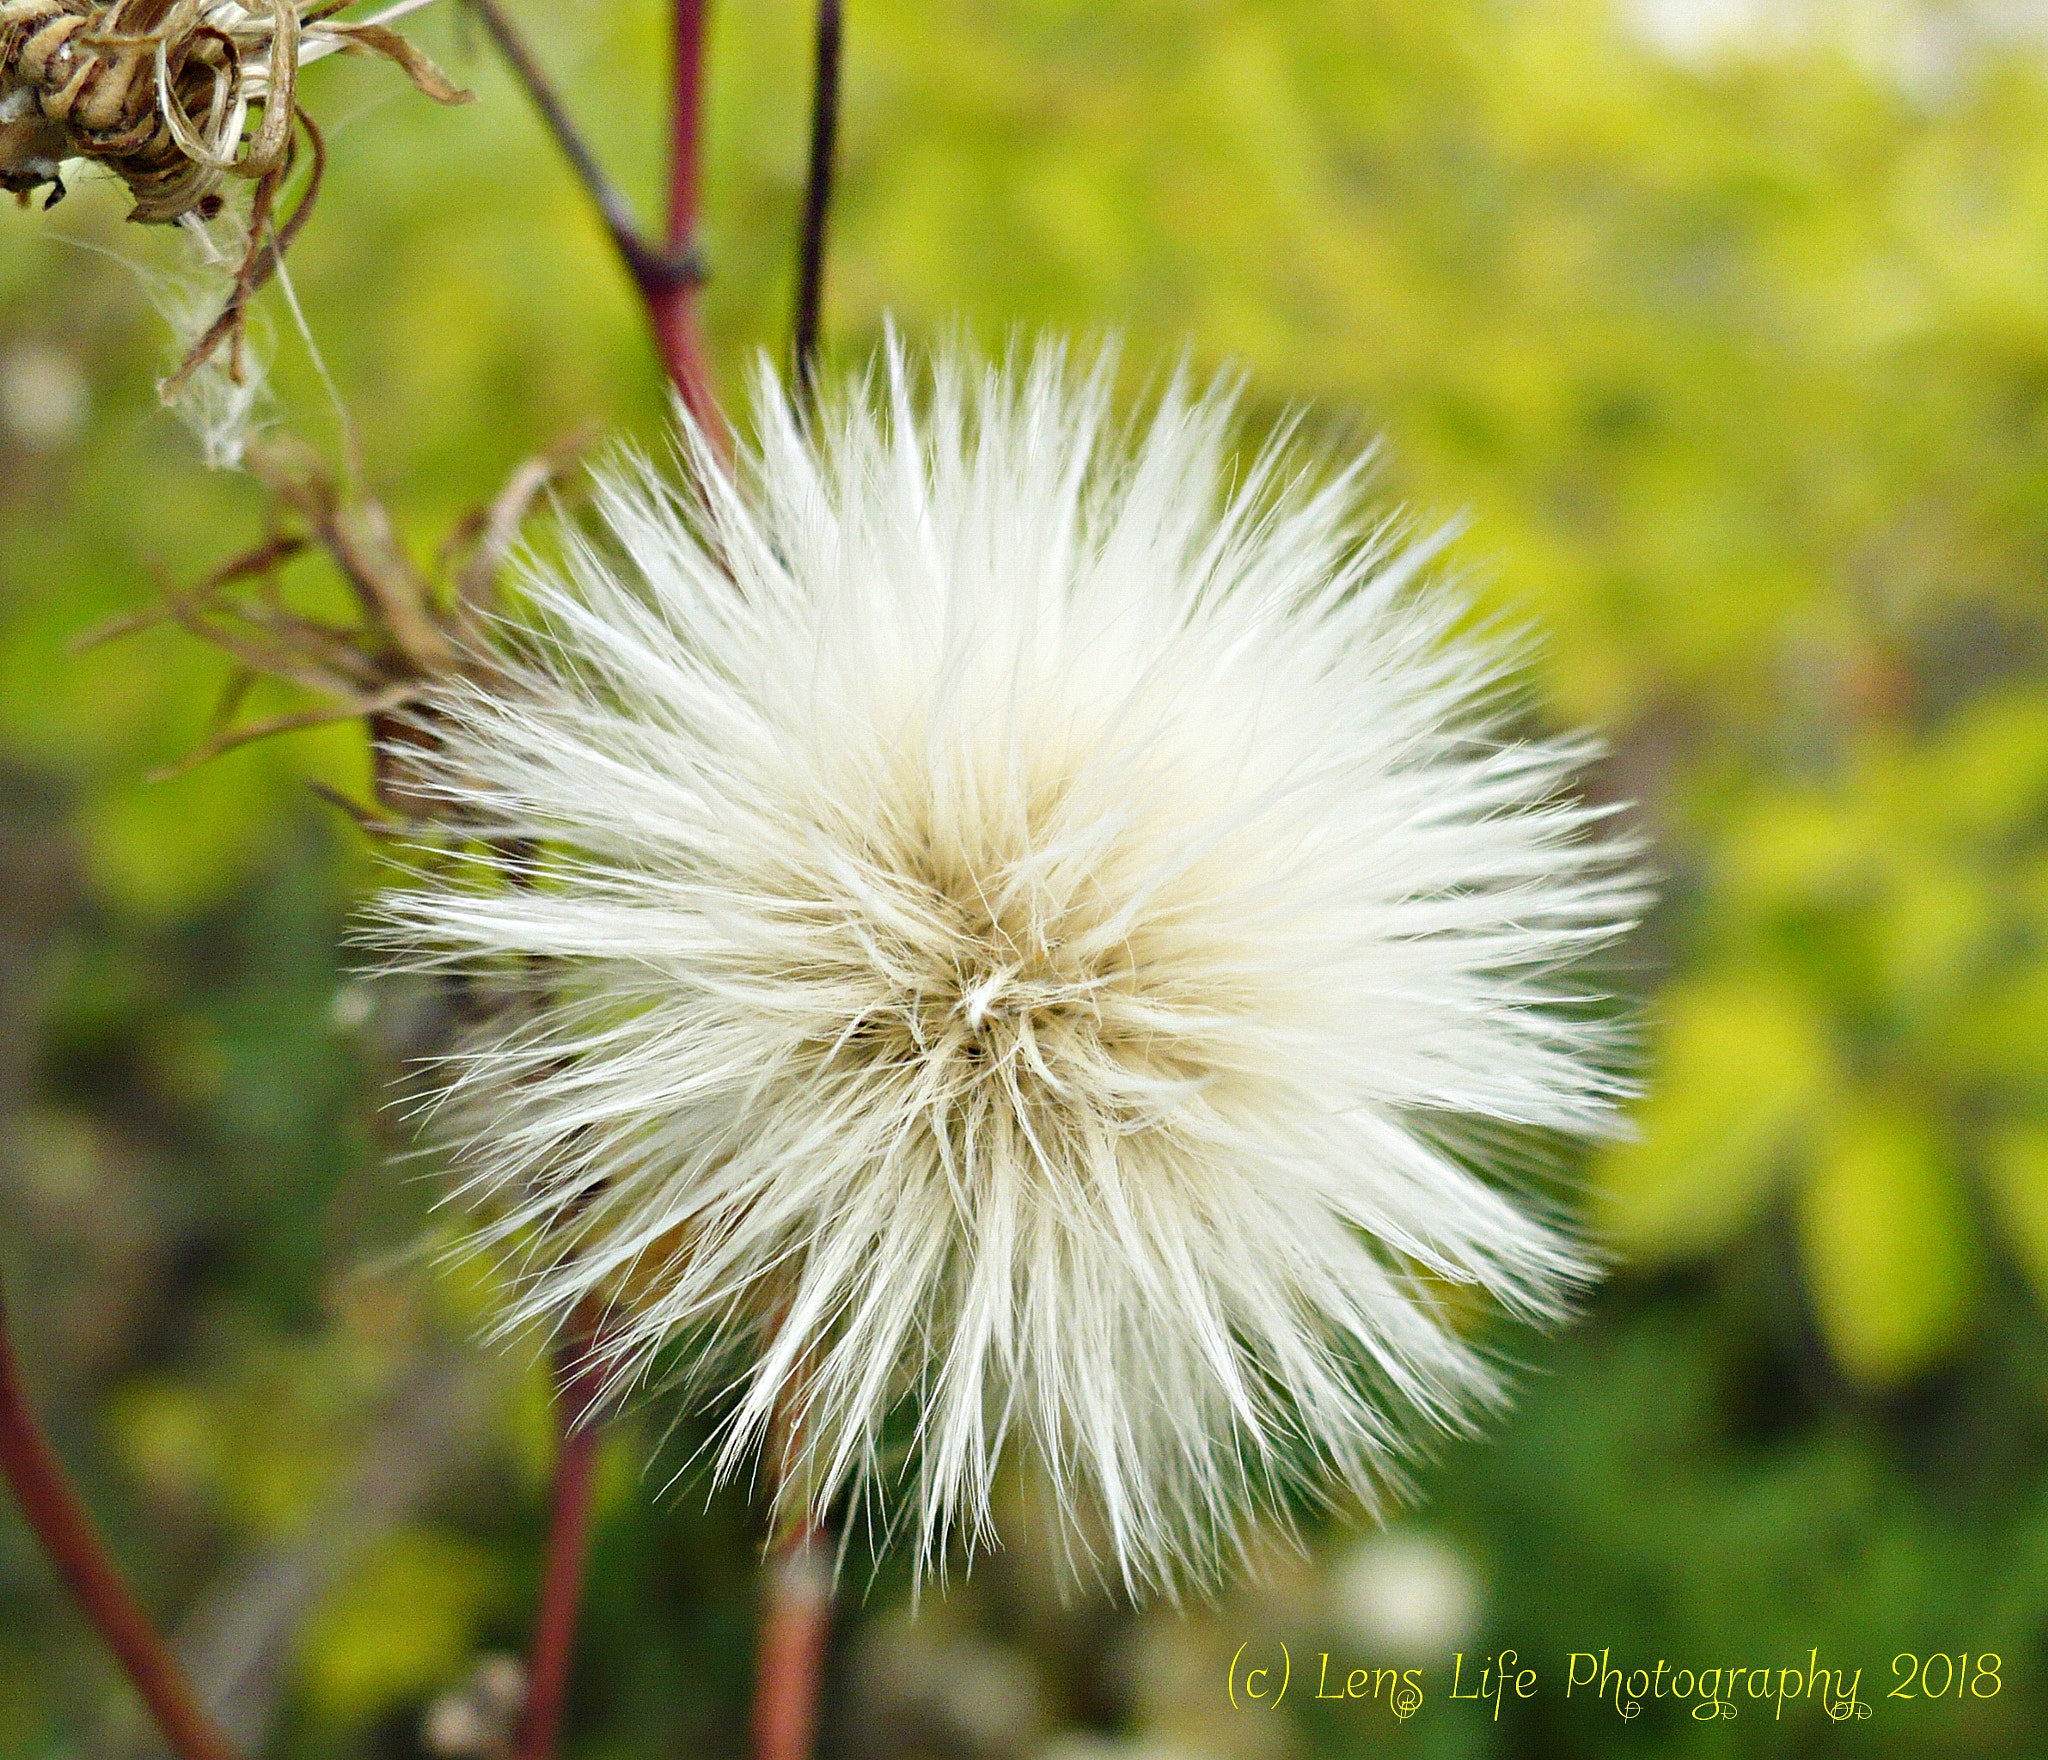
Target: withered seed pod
{"points": [[161, 91]]}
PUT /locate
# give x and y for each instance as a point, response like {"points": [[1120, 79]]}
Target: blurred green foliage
{"points": [[1738, 359]]}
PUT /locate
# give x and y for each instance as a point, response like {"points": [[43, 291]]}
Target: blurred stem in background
{"points": [[579, 1382], [810, 269], [667, 275], [65, 1530]]}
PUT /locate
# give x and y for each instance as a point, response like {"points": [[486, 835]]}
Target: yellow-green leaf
{"points": [[401, 1626], [1888, 1252], [1988, 773], [1742, 1064], [170, 1438], [2016, 1175], [1796, 850], [1937, 925]]}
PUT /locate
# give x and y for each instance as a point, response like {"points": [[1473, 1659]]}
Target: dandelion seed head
{"points": [[1035, 925], [1409, 1594], [45, 396]]}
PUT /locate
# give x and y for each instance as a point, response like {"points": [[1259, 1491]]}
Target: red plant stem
{"points": [[667, 278], [796, 1621], [66, 1530], [579, 1382], [672, 300]]}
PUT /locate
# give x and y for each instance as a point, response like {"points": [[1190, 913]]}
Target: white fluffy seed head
{"points": [[1035, 932]]}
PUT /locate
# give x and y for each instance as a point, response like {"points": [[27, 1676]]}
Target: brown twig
{"points": [[68, 1536], [579, 1383], [268, 243], [810, 272], [233, 738]]}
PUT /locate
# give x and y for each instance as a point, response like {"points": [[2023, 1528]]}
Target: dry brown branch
{"points": [[161, 93], [417, 627], [228, 740]]}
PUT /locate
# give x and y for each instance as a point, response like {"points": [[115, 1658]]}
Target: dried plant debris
{"points": [[415, 627], [179, 99], [161, 92]]}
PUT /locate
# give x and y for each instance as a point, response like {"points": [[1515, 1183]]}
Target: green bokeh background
{"points": [[1733, 347]]}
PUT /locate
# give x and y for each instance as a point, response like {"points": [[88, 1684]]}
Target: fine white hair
{"points": [[223, 400], [1036, 941]]}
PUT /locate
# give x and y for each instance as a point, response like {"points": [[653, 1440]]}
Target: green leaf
{"points": [[403, 1625], [1938, 926], [1743, 1064], [1988, 773], [1796, 851], [2016, 1176], [1999, 1037], [170, 1438], [1889, 1257]]}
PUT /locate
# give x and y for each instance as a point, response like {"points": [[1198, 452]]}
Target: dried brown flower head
{"points": [[161, 91]]}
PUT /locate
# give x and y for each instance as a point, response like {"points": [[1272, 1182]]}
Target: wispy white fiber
{"points": [[224, 399], [1035, 928]]}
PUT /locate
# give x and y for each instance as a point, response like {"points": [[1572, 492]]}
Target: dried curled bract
{"points": [[162, 92]]}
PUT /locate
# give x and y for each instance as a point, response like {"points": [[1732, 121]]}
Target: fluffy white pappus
{"points": [[1029, 921]]}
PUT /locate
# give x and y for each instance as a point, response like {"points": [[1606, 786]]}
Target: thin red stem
{"points": [[672, 302], [796, 1624], [667, 276], [61, 1522], [668, 281], [579, 1383], [796, 1601]]}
